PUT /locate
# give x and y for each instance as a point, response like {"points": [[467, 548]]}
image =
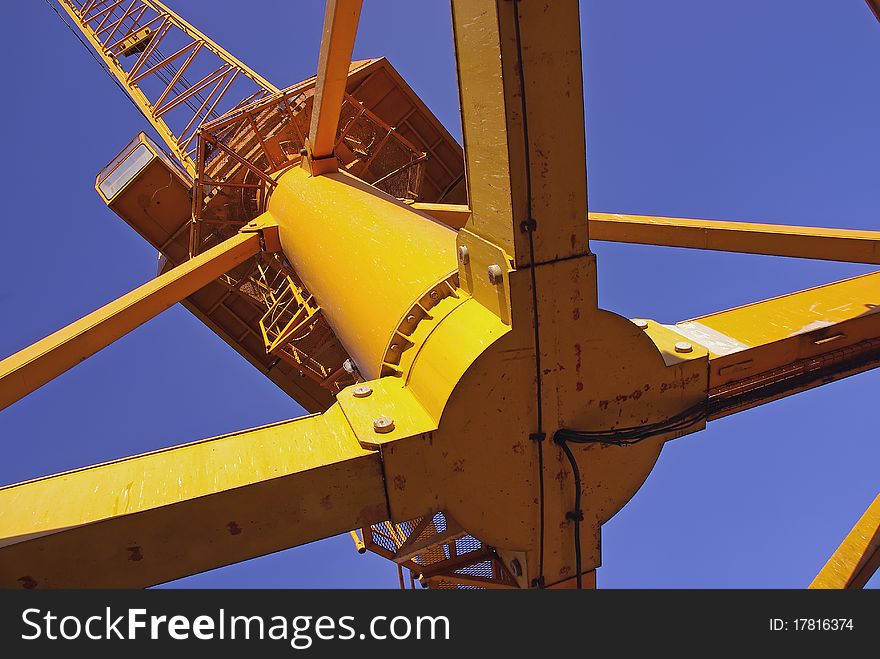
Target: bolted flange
{"points": [[383, 424]]}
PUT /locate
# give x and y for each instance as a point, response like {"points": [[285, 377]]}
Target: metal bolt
{"points": [[641, 323], [410, 319], [683, 346], [383, 424], [463, 256], [435, 295], [496, 276], [252, 224], [361, 391], [348, 366], [394, 347]]}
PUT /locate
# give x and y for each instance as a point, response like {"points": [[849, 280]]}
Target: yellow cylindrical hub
{"points": [[365, 256]]}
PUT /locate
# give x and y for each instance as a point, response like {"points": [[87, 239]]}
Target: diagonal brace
{"points": [[340, 28], [31, 368], [858, 557], [744, 237]]}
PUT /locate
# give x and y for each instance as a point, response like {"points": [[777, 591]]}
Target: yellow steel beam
{"points": [[522, 108], [764, 351], [340, 28], [31, 368], [745, 237], [455, 216], [175, 512], [857, 557]]}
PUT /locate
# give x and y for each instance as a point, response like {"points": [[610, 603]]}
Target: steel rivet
{"points": [[496, 276], [434, 295], [252, 224], [683, 346], [641, 323], [410, 319], [394, 347], [383, 424], [361, 391], [463, 256]]}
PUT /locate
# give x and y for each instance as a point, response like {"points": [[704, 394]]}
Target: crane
{"points": [[478, 416]]}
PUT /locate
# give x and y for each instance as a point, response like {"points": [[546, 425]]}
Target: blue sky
{"points": [[751, 111]]}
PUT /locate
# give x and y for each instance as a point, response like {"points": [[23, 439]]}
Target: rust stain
{"points": [[234, 528], [135, 554], [326, 503], [577, 354], [28, 582], [678, 384], [400, 482], [518, 448], [579, 386], [575, 313], [458, 465]]}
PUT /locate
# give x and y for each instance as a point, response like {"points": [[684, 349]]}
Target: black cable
{"points": [[617, 437], [577, 515], [529, 226], [636, 434]]}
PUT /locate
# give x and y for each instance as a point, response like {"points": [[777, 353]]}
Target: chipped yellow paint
{"points": [[789, 315]]}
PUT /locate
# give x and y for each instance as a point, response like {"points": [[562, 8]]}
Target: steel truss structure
{"points": [[477, 415]]}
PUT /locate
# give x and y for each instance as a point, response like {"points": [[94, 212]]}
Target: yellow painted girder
{"points": [[340, 28], [522, 108], [787, 316], [857, 557], [847, 245], [175, 512], [763, 351], [745, 237], [455, 216], [31, 368]]}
